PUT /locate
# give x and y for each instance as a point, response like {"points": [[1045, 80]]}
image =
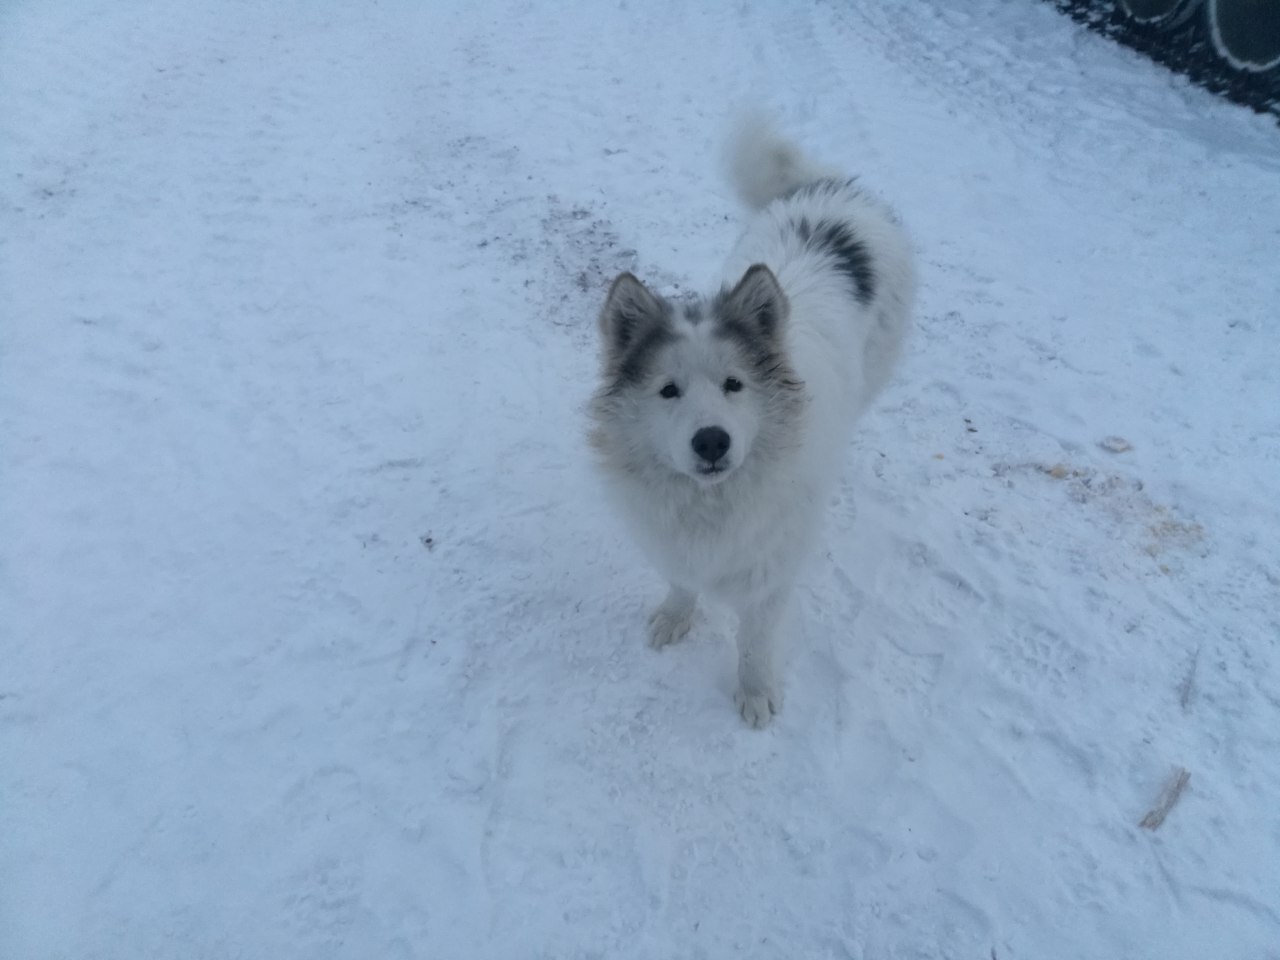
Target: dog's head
{"points": [[695, 386]]}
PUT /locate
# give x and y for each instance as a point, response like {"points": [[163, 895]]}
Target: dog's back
{"points": [[840, 256]]}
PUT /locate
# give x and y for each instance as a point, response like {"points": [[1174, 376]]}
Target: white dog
{"points": [[722, 422]]}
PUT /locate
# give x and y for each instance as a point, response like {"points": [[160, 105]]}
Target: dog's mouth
{"points": [[712, 472]]}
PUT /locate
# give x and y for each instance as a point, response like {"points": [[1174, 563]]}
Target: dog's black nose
{"points": [[711, 443]]}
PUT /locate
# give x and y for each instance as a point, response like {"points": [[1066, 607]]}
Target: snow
{"points": [[318, 640]]}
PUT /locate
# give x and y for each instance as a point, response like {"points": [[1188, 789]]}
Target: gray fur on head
{"points": [[754, 309], [628, 310], [634, 324]]}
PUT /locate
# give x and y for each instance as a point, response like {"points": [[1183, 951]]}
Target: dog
{"points": [[721, 422]]}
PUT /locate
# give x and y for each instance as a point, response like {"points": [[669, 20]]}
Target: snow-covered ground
{"points": [[317, 641]]}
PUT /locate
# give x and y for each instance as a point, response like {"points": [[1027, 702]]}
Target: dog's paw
{"points": [[757, 706], [667, 626]]}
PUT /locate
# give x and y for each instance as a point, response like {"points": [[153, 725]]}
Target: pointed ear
{"points": [[757, 302], [628, 310]]}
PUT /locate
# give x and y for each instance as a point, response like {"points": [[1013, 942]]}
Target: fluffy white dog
{"points": [[722, 423]]}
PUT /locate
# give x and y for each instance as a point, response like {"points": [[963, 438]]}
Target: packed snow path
{"points": [[316, 640]]}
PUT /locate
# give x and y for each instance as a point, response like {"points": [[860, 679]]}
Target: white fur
{"points": [[742, 536], [763, 166]]}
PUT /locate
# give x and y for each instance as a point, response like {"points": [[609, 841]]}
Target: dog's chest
{"points": [[703, 541]]}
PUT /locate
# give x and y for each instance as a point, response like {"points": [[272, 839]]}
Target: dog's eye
{"points": [[732, 385], [669, 392]]}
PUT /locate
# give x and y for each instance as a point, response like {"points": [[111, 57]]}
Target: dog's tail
{"points": [[764, 166]]}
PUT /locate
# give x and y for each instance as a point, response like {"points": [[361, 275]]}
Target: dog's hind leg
{"points": [[759, 695], [670, 622]]}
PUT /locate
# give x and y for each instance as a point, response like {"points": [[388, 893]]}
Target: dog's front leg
{"points": [[759, 694], [670, 622]]}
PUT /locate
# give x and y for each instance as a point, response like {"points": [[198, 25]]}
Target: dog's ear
{"points": [[628, 311], [757, 303]]}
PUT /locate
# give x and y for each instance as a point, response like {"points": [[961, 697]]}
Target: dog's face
{"points": [[692, 386]]}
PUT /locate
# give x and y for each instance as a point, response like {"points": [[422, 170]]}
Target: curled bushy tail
{"points": [[764, 166]]}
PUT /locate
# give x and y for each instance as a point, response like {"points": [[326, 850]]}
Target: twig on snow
{"points": [[1168, 798], [1187, 689]]}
